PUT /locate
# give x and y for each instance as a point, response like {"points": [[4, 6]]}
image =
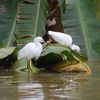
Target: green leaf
{"points": [[8, 56], [82, 21], [28, 17], [82, 57], [89, 25], [8, 9], [21, 65], [30, 20], [57, 54]]}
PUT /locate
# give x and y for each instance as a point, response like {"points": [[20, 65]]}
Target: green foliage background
{"points": [[82, 20], [22, 20]]}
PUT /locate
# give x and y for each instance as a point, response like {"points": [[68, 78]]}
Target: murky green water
{"points": [[51, 86]]}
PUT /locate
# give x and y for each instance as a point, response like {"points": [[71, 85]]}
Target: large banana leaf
{"points": [[96, 42], [90, 24], [25, 19], [20, 22], [81, 19], [30, 20], [8, 9]]}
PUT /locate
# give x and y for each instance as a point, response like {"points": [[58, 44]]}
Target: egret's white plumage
{"points": [[31, 49], [61, 38], [75, 47]]}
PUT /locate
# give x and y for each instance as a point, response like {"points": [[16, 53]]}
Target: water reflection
{"points": [[30, 91], [50, 86]]}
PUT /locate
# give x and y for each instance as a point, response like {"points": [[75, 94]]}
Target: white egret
{"points": [[75, 47], [31, 50], [61, 38]]}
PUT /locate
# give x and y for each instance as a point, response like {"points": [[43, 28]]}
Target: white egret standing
{"points": [[75, 47], [61, 38], [31, 50]]}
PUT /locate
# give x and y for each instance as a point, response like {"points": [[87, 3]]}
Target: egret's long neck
{"points": [[38, 44]]}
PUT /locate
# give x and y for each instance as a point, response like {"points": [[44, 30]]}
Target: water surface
{"points": [[51, 86]]}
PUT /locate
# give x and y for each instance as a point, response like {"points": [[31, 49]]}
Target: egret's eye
{"points": [[42, 42]]}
